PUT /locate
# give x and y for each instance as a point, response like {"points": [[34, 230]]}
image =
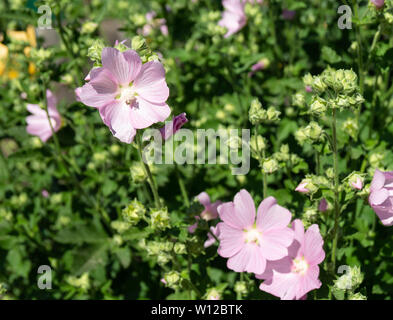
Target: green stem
{"points": [[264, 177], [182, 186], [149, 176], [336, 191]]}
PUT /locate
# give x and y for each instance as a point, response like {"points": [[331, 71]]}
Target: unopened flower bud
{"points": [[159, 218], [270, 165], [172, 279], [134, 212]]}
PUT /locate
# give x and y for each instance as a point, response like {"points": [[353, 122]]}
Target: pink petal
{"points": [[35, 109], [231, 240], [378, 181], [135, 62], [90, 97], [248, 259], [203, 199], [114, 61], [275, 217], [313, 246], [282, 266], [118, 116], [150, 83], [245, 208], [379, 196], [274, 243], [146, 113], [308, 282], [283, 285]]}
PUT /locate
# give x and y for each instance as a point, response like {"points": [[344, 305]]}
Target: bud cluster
{"points": [[259, 115]]}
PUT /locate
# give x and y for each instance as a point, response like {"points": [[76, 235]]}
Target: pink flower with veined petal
{"points": [[38, 124], [378, 3], [233, 17], [249, 240], [381, 196], [293, 276], [323, 205], [209, 213], [128, 94]]}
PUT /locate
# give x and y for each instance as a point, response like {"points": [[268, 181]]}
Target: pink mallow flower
{"points": [[293, 276], [358, 185], [209, 212], [38, 123], [249, 240], [233, 17], [378, 3], [128, 94], [173, 126], [381, 196]]}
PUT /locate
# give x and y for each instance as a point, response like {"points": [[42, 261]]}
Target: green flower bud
{"points": [[308, 80], [180, 248], [330, 173], [163, 258], [159, 218], [134, 212], [356, 296], [89, 27], [173, 279], [120, 226], [350, 126], [299, 100], [376, 159], [95, 50], [257, 143], [137, 172], [318, 106], [350, 280], [256, 114], [270, 165], [241, 287], [213, 294], [313, 131], [273, 114], [318, 85], [300, 136], [82, 282]]}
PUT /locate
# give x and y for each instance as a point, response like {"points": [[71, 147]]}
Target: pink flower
{"points": [[358, 184], [323, 205], [45, 193], [233, 17], [302, 188], [308, 89], [173, 126], [210, 239], [128, 94], [378, 3], [163, 281], [38, 124], [293, 276], [381, 196], [256, 67], [209, 212], [250, 240]]}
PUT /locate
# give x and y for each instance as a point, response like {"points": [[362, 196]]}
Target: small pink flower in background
{"points": [[23, 95], [163, 281], [293, 276], [233, 17], [381, 196], [45, 193], [302, 188], [128, 94], [378, 3], [248, 239], [288, 14], [358, 184], [210, 239], [323, 205], [38, 124], [173, 126], [308, 89], [209, 212]]}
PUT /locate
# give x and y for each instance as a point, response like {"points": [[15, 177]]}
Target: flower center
{"points": [[300, 265], [252, 235], [127, 95], [207, 215]]}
